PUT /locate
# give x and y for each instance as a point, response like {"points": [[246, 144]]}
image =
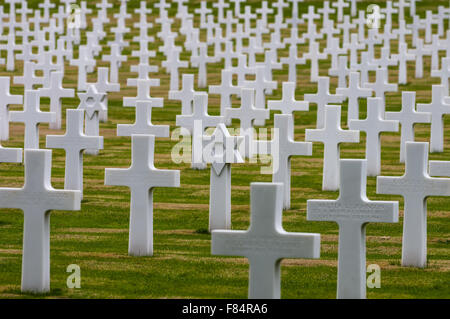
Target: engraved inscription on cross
{"points": [[142, 177], [36, 199], [265, 243], [415, 186], [352, 211]]}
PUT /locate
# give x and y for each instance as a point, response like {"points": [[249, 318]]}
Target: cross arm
{"points": [[230, 243], [389, 185]]}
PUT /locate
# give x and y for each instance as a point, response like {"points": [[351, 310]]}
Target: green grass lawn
{"points": [[96, 238]]}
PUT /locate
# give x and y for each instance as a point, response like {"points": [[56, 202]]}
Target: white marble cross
{"points": [[408, 117], [142, 177], [242, 70], [260, 85], [340, 5], [415, 186], [353, 93], [143, 92], [186, 94], [56, 92], [29, 78], [200, 62], [225, 89], [247, 113], [314, 55], [322, 98], [381, 84], [203, 11], [173, 64], [352, 211], [221, 150], [115, 58], [103, 86], [292, 61], [373, 125], [443, 74], [288, 104], [32, 116], [334, 50], [270, 63], [36, 199], [92, 102], [83, 62], [341, 71], [265, 243], [364, 67], [47, 67], [74, 142], [331, 135], [386, 59], [6, 99], [282, 147], [420, 51], [143, 123], [196, 123], [403, 57], [437, 108]]}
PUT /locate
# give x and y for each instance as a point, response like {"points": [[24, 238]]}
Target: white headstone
{"points": [[225, 89], [403, 57], [352, 211], [437, 108], [353, 93], [292, 61], [201, 62], [143, 93], [265, 243], [260, 85], [247, 113], [443, 74], [32, 116], [331, 135], [196, 123], [103, 86], [36, 199], [420, 51], [408, 117], [29, 78], [83, 62], [288, 104], [6, 99], [173, 64], [322, 98], [142, 177], [415, 186], [221, 149], [92, 102], [115, 58], [186, 94], [282, 147], [373, 125], [143, 123], [56, 92], [74, 142], [381, 84]]}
